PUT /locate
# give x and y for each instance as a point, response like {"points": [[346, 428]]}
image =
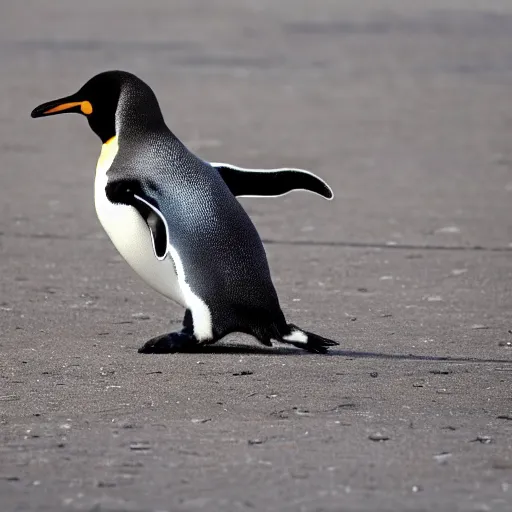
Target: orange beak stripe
{"points": [[85, 107]]}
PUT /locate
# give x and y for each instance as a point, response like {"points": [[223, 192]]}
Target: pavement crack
{"points": [[314, 243], [372, 245]]}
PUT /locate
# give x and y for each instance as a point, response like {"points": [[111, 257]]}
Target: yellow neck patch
{"points": [[107, 155]]}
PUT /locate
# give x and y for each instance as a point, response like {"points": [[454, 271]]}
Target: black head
{"points": [[101, 97]]}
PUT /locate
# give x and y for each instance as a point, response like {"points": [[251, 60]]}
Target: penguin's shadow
{"points": [[280, 350]]}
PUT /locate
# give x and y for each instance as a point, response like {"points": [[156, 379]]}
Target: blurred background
{"points": [[405, 108]]}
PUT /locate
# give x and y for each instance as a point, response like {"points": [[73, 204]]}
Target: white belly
{"points": [[131, 235]]}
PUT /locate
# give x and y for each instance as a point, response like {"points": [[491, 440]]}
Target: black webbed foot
{"points": [[318, 344], [169, 344]]}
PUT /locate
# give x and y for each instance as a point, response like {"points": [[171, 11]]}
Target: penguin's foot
{"points": [[315, 348], [169, 344], [307, 340]]}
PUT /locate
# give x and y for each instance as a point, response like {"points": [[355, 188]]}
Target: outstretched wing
{"points": [[271, 182]]}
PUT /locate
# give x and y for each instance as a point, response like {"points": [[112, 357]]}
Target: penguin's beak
{"points": [[63, 105]]}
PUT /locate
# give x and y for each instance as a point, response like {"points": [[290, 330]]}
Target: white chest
{"points": [[131, 235]]}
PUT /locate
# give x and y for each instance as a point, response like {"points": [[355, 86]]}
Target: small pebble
{"points": [[442, 458], [374, 374], [200, 420], [138, 447], [482, 439], [448, 229], [106, 484], [141, 316], [378, 437]]}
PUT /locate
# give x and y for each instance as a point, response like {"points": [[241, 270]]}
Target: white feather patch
{"points": [[296, 336], [201, 315]]}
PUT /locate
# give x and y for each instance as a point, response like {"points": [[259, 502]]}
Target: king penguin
{"points": [[175, 218]]}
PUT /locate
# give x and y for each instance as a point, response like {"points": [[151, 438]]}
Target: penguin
{"points": [[176, 221]]}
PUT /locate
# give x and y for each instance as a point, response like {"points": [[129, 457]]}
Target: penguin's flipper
{"points": [[270, 182], [157, 225], [129, 192]]}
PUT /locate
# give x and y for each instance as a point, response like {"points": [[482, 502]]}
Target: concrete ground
{"points": [[405, 108]]}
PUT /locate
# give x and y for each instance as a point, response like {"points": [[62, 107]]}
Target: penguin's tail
{"points": [[309, 341]]}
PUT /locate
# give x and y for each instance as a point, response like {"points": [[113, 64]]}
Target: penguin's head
{"points": [[104, 99]]}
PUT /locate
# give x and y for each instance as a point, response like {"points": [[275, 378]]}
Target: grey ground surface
{"points": [[405, 107]]}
